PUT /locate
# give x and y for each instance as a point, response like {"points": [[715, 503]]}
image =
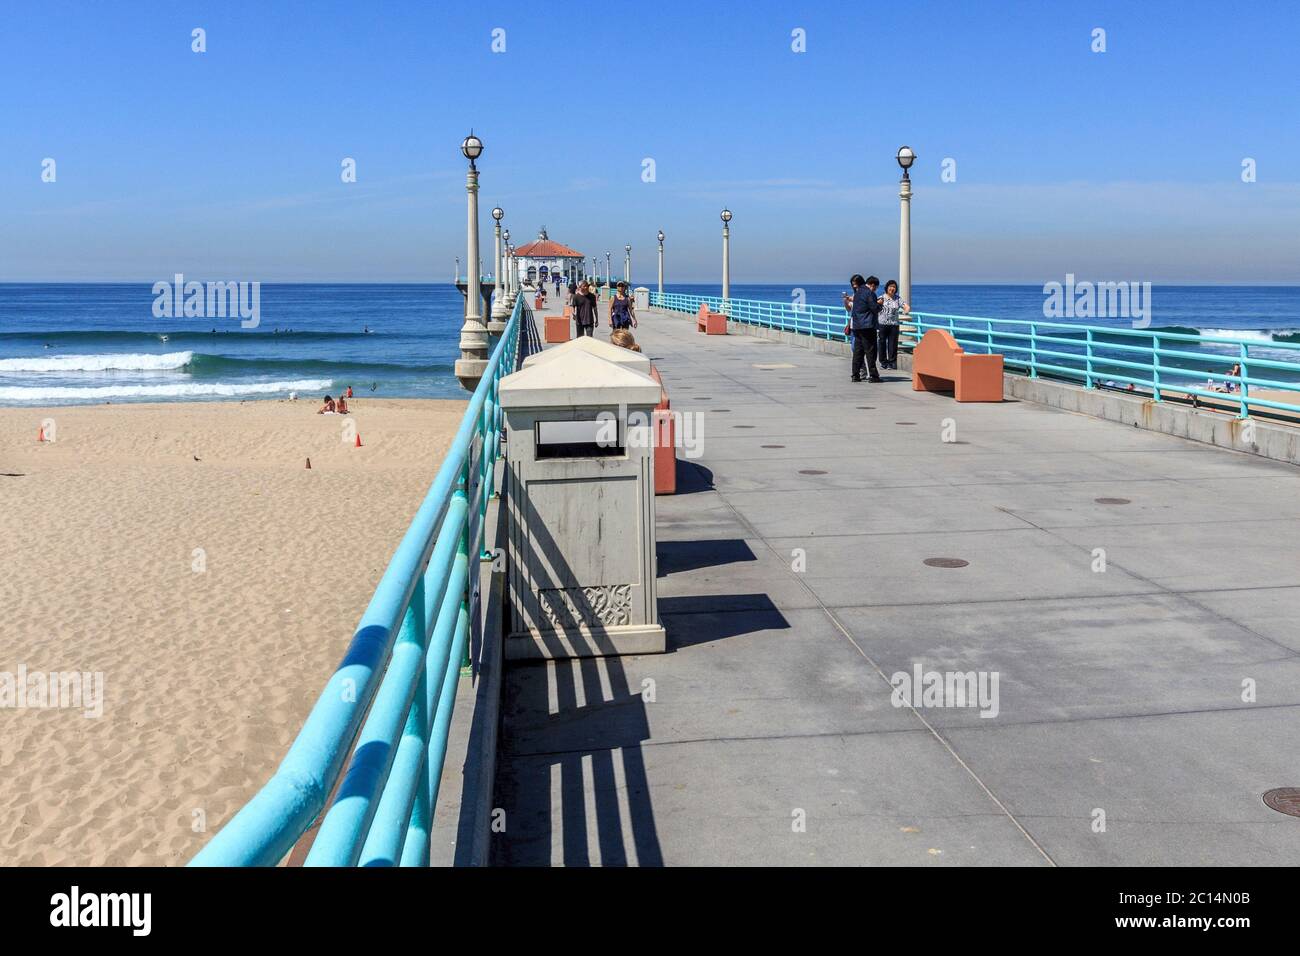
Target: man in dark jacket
{"points": [[863, 308], [584, 309]]}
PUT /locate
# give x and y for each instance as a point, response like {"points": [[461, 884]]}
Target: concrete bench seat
{"points": [[939, 364], [710, 323]]}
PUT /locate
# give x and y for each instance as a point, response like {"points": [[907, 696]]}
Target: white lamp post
{"points": [[726, 254], [607, 268], [497, 324], [661, 262], [906, 157], [473, 334], [627, 264], [507, 264]]}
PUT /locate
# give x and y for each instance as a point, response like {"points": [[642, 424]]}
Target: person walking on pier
{"points": [[863, 308], [585, 313], [891, 306], [621, 313]]}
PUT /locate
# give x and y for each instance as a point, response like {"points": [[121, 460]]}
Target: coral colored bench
{"points": [[557, 329], [710, 323], [939, 364], [665, 446]]}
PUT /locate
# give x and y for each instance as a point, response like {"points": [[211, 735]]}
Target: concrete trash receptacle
{"points": [[580, 486], [640, 298]]}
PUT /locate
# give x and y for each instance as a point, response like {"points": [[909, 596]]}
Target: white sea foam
{"points": [[1250, 335], [126, 362], [179, 390]]}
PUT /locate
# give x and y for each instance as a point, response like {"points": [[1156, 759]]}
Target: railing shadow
{"points": [[579, 767]]}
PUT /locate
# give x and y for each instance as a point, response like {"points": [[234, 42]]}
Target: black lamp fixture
{"points": [[906, 157], [472, 147]]}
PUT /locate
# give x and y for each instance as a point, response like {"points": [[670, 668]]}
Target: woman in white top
{"points": [[891, 306]]}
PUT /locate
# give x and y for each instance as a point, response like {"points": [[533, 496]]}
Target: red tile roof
{"points": [[547, 249]]}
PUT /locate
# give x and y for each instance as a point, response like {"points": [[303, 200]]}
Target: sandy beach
{"points": [[215, 596]]}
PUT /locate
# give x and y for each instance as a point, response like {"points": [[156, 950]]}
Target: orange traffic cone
{"points": [[308, 464], [358, 439], [40, 434]]}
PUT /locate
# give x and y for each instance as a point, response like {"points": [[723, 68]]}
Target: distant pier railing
{"points": [[1164, 364], [399, 676]]}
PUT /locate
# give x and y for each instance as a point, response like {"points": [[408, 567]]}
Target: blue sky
{"points": [[226, 164]]}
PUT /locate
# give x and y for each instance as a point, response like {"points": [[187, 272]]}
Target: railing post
{"points": [[1087, 347], [1245, 374], [1033, 350], [1155, 367], [462, 550]]}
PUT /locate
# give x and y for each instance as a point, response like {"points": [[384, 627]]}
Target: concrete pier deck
{"points": [[792, 584]]}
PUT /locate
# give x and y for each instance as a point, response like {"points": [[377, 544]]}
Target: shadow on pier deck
{"points": [[793, 584]]}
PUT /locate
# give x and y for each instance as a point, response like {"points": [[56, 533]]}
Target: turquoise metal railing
{"points": [[1162, 363], [399, 676]]}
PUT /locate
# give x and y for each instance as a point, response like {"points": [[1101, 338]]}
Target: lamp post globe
{"points": [[906, 156], [472, 147]]}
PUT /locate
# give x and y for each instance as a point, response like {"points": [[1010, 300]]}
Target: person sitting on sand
{"points": [[1234, 372], [624, 340], [328, 408], [342, 406]]}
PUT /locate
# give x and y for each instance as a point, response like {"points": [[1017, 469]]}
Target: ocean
{"points": [[84, 343]]}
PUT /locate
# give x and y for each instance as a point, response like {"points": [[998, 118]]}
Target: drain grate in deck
{"points": [[811, 471], [772, 446], [945, 562], [1112, 501], [1284, 800]]}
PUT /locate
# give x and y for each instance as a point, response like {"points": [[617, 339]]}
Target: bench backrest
{"points": [[937, 354]]}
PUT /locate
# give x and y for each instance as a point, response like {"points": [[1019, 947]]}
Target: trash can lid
{"points": [[578, 379], [586, 343]]}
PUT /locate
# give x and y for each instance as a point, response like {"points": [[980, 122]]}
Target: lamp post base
{"points": [[469, 372]]}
